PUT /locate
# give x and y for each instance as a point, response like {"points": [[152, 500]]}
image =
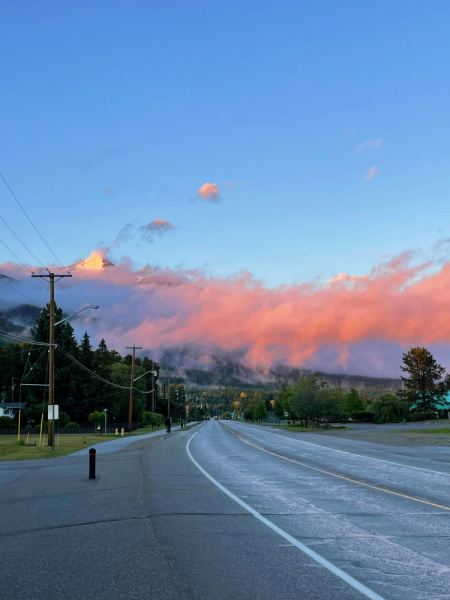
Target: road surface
{"points": [[227, 511]]}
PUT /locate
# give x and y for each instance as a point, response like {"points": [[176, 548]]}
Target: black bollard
{"points": [[92, 453]]}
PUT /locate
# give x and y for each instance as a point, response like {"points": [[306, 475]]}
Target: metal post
{"points": [[105, 410], [53, 426]]}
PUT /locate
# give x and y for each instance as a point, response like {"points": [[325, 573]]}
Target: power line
{"points": [[18, 291], [119, 336], [91, 372], [19, 339], [26, 214], [18, 238]]}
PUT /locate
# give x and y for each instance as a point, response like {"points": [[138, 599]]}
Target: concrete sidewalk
{"points": [[120, 443]]}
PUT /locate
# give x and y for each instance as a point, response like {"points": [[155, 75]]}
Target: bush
{"points": [[152, 419], [7, 423], [365, 417], [71, 425], [421, 416]]}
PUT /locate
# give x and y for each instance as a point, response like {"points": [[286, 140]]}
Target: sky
{"points": [[288, 141]]}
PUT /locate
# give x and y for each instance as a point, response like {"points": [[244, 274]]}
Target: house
{"points": [[10, 409]]}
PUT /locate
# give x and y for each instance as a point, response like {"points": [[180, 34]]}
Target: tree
{"points": [[424, 387], [97, 418], [388, 409], [249, 413], [279, 409], [260, 412], [353, 402]]}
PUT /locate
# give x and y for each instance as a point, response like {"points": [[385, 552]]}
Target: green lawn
{"points": [[439, 430], [64, 444], [299, 428]]}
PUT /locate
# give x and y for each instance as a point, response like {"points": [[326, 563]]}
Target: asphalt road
{"points": [[226, 518]]}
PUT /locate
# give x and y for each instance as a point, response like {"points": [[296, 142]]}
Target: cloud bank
{"points": [[349, 324]]}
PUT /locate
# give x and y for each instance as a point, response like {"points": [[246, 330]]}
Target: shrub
{"points": [[365, 417], [7, 423], [71, 425], [421, 416], [152, 419]]}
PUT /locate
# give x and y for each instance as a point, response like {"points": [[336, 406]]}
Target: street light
{"points": [[105, 410], [94, 306], [154, 374]]}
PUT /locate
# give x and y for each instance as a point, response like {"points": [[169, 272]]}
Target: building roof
{"points": [[19, 405]]}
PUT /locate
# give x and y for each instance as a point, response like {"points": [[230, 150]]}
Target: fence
{"points": [[110, 428]]}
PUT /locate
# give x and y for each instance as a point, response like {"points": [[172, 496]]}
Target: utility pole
{"points": [[51, 365], [130, 414], [153, 393], [168, 397]]}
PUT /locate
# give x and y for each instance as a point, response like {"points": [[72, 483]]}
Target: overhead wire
{"points": [[92, 372], [109, 326]]}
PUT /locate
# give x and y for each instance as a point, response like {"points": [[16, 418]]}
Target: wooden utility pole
{"points": [[130, 413], [153, 393], [51, 363]]}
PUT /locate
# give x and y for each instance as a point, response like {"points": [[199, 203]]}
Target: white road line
{"points": [[389, 462], [319, 559]]}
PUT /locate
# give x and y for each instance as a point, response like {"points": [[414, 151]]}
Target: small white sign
{"points": [[286, 414], [52, 407]]}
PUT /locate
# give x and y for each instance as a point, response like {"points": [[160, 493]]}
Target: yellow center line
{"points": [[374, 487]]}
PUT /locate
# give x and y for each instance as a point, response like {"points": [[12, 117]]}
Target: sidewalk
{"points": [[120, 443]]}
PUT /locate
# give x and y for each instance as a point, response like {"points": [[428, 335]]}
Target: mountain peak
{"points": [[95, 262]]}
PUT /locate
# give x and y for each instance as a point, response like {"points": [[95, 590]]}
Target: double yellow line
{"points": [[374, 487]]}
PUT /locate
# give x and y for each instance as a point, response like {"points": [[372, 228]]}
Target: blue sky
{"points": [[151, 100]]}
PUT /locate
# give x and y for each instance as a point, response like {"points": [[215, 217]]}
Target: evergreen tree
{"points": [[424, 387], [260, 413], [353, 403]]}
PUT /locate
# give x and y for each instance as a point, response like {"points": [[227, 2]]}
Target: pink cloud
{"points": [[235, 184], [367, 144], [209, 192], [343, 277], [364, 321], [371, 173]]}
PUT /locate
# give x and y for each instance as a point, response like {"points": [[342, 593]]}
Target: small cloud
{"points": [[350, 131], [367, 144], [209, 192], [236, 184], [155, 227], [123, 236], [107, 191], [344, 277], [371, 173]]}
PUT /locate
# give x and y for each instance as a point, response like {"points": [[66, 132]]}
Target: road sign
{"points": [[286, 414], [52, 407]]}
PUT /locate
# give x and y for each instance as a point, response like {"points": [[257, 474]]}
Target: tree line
{"points": [[77, 392]]}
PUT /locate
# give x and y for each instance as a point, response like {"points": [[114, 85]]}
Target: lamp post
{"points": [[94, 306], [105, 410]]}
